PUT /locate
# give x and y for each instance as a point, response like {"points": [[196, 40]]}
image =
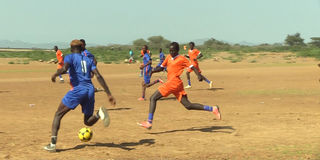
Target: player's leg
{"points": [[62, 110], [142, 98], [204, 78], [141, 72], [152, 108], [60, 76], [196, 106], [188, 78]]}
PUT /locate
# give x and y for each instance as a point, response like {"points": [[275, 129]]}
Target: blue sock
{"points": [[207, 81], [150, 118], [189, 82], [208, 108], [60, 76]]}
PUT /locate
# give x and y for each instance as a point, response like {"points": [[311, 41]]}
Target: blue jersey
{"points": [[87, 54], [80, 69], [162, 58], [146, 59]]}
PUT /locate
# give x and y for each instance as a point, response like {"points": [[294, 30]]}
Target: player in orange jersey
{"points": [[60, 58], [175, 64], [194, 54]]}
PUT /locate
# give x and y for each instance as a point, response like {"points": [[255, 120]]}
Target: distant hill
{"points": [[22, 44]]}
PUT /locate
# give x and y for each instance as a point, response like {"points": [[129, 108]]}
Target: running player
{"points": [[82, 92], [162, 57], [175, 64], [146, 67], [194, 54], [60, 57], [86, 53], [142, 54]]}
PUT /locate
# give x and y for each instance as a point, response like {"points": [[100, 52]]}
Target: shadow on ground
{"points": [[210, 89], [125, 146], [221, 129], [119, 109]]}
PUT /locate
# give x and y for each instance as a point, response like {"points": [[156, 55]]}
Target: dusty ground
{"points": [[270, 111]]}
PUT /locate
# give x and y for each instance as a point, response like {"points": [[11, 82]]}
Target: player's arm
{"points": [[63, 70], [104, 85], [197, 73], [157, 69], [199, 55], [95, 61], [142, 66], [187, 56]]}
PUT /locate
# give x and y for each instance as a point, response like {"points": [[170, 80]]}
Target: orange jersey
{"points": [[59, 56], [148, 51], [193, 54], [175, 67], [60, 59]]}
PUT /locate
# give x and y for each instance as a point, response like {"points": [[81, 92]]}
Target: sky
{"points": [[122, 21]]}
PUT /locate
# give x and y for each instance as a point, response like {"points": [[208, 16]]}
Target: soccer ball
{"points": [[85, 134]]}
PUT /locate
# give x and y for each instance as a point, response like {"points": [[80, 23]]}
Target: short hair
{"points": [[175, 45], [145, 46], [83, 41], [76, 43], [191, 43], [55, 47]]}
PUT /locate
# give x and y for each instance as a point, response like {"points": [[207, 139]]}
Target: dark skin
{"points": [[198, 57], [184, 100], [56, 49], [89, 120], [144, 85]]}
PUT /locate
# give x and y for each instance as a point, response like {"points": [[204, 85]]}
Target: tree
{"points": [[315, 41], [158, 42], [138, 43], [213, 43], [294, 40]]}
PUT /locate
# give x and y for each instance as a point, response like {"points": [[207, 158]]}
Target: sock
{"points": [[60, 76], [207, 81], [208, 108], [150, 118], [53, 140], [189, 82]]}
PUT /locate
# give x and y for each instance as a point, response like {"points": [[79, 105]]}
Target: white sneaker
{"points": [[104, 116], [50, 147], [211, 84], [188, 86]]}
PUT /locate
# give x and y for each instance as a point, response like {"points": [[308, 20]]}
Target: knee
{"points": [[188, 106]]}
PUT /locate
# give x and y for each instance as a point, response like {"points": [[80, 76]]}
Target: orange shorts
{"points": [[59, 66], [195, 66], [172, 87]]}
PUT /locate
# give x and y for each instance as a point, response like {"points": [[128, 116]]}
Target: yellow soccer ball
{"points": [[85, 134]]}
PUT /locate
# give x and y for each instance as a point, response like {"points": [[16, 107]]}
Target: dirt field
{"points": [[270, 110]]}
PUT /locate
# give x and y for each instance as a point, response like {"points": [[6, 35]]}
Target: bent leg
{"points": [[90, 120], [188, 77], [153, 104], [62, 110], [190, 106]]}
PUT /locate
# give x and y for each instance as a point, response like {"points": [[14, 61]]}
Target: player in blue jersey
{"points": [[146, 67], [82, 93], [162, 57], [85, 52]]}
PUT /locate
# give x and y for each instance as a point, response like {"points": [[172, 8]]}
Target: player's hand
{"points": [[141, 66], [112, 100], [53, 78]]}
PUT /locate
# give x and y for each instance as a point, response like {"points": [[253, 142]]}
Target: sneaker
{"points": [[61, 81], [187, 87], [145, 124], [50, 147], [160, 80], [211, 84], [216, 111], [104, 116], [141, 99], [98, 90]]}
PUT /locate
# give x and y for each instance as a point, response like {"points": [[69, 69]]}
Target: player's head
{"points": [[160, 50], [83, 43], [76, 46], [191, 45], [144, 48], [174, 49], [55, 48]]}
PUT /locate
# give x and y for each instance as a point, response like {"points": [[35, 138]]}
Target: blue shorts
{"points": [[147, 74], [80, 95]]}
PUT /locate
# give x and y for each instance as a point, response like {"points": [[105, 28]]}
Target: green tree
{"points": [[315, 41], [158, 42], [138, 43], [294, 40]]}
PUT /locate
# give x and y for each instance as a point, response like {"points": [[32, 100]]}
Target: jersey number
{"points": [[84, 66]]}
